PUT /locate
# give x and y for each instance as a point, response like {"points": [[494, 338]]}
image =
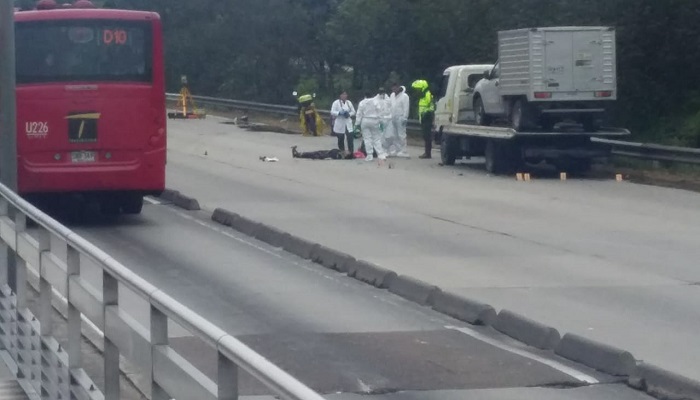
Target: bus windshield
{"points": [[83, 51]]}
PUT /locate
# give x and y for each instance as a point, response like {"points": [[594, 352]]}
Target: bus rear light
{"points": [[543, 95], [605, 93]]}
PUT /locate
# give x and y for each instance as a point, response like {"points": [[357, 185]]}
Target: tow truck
{"points": [[541, 98]]}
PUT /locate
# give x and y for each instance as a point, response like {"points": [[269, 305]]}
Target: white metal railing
{"points": [[55, 372]]}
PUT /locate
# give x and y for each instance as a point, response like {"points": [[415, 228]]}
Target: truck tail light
{"points": [[605, 93], [543, 95]]}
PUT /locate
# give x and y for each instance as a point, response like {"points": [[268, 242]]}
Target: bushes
{"points": [[263, 50]]}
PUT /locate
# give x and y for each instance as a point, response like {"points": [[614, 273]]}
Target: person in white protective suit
{"points": [[373, 115], [361, 107], [395, 137]]}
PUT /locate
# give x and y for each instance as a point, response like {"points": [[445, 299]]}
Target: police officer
{"points": [[426, 114]]}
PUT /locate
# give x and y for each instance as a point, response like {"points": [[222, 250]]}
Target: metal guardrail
{"points": [[56, 372], [652, 152], [645, 151]]}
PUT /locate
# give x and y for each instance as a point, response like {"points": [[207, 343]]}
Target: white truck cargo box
{"points": [[558, 64]]}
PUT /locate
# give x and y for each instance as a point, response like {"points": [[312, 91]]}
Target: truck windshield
{"points": [[83, 51]]}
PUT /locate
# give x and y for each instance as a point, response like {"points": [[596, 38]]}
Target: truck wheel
{"points": [[447, 149], [575, 166], [590, 124], [480, 114], [547, 123], [518, 115], [501, 157]]}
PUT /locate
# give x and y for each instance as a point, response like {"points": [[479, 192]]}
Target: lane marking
{"points": [[576, 374], [151, 200]]}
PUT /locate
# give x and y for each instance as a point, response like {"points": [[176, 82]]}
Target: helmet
{"points": [[306, 98], [420, 84]]}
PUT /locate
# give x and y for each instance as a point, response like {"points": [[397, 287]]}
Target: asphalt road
{"points": [[341, 337], [615, 262]]}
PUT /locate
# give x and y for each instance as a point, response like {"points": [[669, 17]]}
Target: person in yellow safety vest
{"points": [[426, 114]]}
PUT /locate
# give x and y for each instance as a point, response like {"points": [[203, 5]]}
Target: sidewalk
{"points": [[10, 388]]}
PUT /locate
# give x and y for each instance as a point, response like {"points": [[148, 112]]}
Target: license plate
{"points": [[83, 156]]}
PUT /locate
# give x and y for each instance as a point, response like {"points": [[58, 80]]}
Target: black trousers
{"points": [[426, 127], [341, 141]]}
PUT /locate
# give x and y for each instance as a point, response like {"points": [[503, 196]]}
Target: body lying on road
{"points": [[334, 154]]}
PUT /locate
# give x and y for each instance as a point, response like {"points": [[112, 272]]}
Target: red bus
{"points": [[91, 117]]}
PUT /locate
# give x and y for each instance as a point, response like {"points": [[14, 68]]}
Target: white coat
{"points": [[342, 124]]}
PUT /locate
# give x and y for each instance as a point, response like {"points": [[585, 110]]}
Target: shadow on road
{"points": [[77, 212]]}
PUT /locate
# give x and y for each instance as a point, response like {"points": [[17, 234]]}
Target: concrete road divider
{"points": [[169, 195], [663, 384], [299, 247], [186, 202], [596, 355], [270, 235], [332, 259], [265, 233], [464, 309], [604, 358], [526, 330], [414, 290], [373, 274], [245, 226], [223, 217]]}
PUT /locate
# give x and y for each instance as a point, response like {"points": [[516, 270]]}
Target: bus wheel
{"points": [[109, 206], [132, 204]]}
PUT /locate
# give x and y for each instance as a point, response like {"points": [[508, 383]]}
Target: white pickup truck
{"points": [[527, 96]]}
